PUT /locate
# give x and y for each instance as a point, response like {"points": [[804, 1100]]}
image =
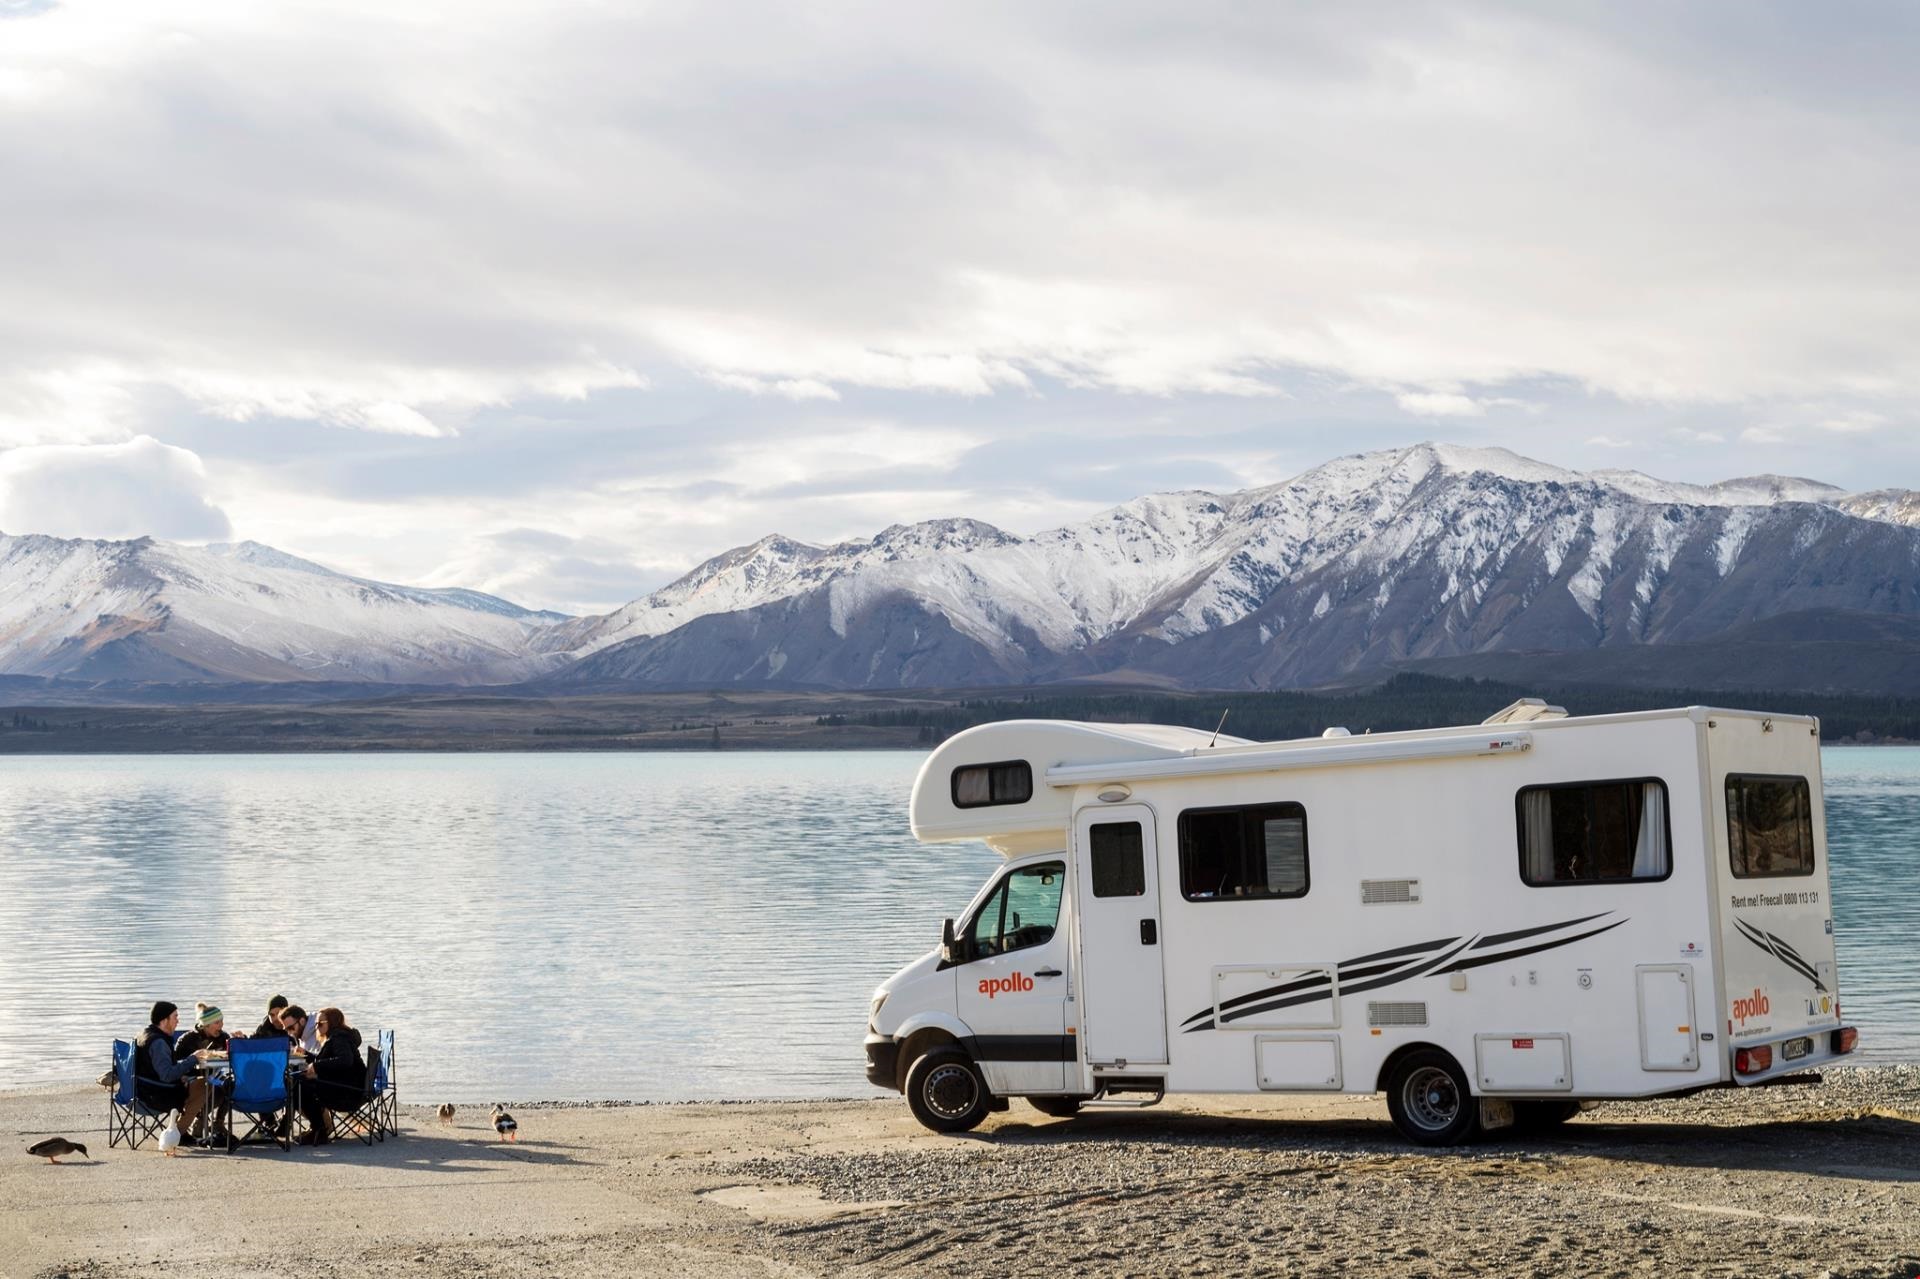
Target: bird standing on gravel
{"points": [[504, 1124], [170, 1139], [446, 1112], [53, 1147]]}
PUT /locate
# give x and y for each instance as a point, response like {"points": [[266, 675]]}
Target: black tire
{"points": [[947, 1092], [1056, 1107], [1431, 1101], [1542, 1116]]}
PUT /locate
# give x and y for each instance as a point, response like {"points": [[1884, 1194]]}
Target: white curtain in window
{"points": [[1537, 806], [1650, 855]]}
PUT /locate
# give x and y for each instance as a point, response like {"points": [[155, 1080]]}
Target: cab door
{"points": [[1122, 989], [1013, 984]]}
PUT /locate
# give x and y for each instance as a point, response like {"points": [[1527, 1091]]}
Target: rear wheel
{"points": [[947, 1092], [1430, 1100], [1542, 1116], [1057, 1107]]}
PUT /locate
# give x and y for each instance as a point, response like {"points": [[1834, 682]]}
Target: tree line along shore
{"points": [[773, 719]]}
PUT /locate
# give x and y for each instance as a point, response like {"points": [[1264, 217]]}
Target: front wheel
{"points": [[947, 1092], [1430, 1101]]}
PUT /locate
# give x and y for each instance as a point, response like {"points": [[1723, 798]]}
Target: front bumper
{"points": [[883, 1062]]}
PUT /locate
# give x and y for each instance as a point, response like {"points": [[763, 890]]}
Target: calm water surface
{"points": [[633, 926]]}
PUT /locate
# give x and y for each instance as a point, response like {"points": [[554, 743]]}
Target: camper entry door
{"points": [[1123, 1013]]}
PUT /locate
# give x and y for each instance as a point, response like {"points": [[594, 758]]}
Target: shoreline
{"points": [[1802, 1180]]}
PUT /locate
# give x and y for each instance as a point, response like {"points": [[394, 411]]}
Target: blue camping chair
{"points": [[129, 1119], [258, 1091]]}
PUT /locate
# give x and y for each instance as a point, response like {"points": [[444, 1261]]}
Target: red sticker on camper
{"points": [[1523, 1043]]}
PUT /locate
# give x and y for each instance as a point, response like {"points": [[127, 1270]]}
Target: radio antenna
{"points": [[1217, 727]]}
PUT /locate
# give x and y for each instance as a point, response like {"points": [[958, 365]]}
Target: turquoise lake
{"points": [[639, 926]]}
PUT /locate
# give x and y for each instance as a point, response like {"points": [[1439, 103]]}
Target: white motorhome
{"points": [[1491, 924]]}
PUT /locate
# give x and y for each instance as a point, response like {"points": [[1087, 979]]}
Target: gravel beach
{"points": [[1803, 1181]]}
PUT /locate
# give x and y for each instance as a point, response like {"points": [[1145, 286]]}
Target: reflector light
{"points": [[1751, 1061], [1845, 1038]]}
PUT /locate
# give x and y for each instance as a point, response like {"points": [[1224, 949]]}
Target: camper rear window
{"points": [[1233, 854], [1594, 833], [1769, 826], [983, 785]]}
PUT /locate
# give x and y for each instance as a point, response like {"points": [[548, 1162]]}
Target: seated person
{"points": [[209, 1033], [159, 1078], [337, 1079], [299, 1027], [270, 1024]]}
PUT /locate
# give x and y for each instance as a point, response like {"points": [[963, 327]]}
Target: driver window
{"points": [[1022, 912]]}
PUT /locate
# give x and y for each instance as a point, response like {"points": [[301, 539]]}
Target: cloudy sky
{"points": [[557, 299]]}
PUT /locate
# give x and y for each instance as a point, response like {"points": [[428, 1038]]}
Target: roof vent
{"points": [[1335, 731], [1526, 711]]}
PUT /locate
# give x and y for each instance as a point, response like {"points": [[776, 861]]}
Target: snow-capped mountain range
{"points": [[1432, 551]]}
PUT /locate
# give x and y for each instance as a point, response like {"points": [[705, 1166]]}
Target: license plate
{"points": [[1794, 1049]]}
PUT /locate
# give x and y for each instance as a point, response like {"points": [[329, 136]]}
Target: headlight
{"points": [[873, 1014]]}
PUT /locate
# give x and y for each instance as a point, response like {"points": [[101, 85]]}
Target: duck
{"points": [[53, 1147], [445, 1112], [504, 1124], [170, 1139], [108, 1081]]}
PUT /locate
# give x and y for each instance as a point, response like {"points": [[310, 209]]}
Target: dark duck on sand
{"points": [[53, 1147], [504, 1124]]}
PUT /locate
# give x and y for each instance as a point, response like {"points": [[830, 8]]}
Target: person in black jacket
{"points": [[159, 1079], [270, 1024], [337, 1079]]}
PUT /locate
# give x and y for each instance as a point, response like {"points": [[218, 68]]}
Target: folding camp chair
{"points": [[259, 1093], [363, 1121], [387, 1085], [129, 1119]]}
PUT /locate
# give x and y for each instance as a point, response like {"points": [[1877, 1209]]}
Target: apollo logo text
{"points": [[1756, 1006], [1010, 985]]}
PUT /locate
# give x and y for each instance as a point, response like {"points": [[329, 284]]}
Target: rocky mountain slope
{"points": [[1366, 562], [1428, 554], [156, 611]]}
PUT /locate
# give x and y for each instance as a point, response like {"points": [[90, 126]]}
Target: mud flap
{"points": [[1495, 1115]]}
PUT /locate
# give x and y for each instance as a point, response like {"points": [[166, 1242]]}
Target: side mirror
{"points": [[949, 948]]}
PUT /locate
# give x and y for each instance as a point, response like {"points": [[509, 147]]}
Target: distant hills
{"points": [[1433, 558]]}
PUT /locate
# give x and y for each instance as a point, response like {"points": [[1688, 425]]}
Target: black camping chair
{"points": [[364, 1120]]}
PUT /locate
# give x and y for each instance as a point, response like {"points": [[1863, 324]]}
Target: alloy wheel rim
{"points": [[1432, 1098], [951, 1091]]}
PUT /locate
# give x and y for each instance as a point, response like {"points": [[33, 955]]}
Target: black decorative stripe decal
{"points": [[1782, 951], [1497, 938], [1022, 1048], [1479, 960], [1404, 964]]}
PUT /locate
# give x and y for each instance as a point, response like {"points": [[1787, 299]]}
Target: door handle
{"points": [[1046, 972], [1149, 932]]}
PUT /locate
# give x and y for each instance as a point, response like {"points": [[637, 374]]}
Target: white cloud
{"points": [[1609, 442], [1763, 435], [1439, 404], [139, 488], [1858, 422], [1689, 435]]}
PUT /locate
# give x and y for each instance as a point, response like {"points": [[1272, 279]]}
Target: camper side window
{"points": [[1594, 833], [1023, 911], [1769, 826], [984, 785], [1232, 854]]}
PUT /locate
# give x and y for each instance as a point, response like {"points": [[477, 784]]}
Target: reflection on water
{"points": [[644, 926], [641, 926]]}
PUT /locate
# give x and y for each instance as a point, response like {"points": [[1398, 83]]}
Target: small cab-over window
{"points": [[1238, 853], [1594, 832], [1769, 826], [983, 785]]}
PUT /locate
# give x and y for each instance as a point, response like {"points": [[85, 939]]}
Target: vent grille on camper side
{"points": [[1379, 892], [1404, 1013]]}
